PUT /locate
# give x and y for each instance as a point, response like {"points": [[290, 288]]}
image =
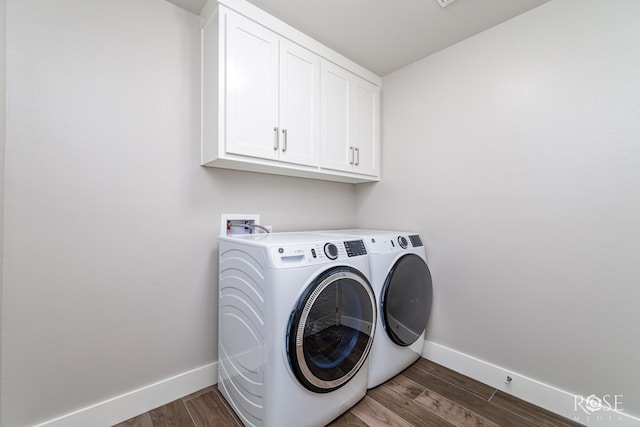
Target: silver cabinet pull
{"points": [[275, 138], [284, 141], [357, 155], [351, 155]]}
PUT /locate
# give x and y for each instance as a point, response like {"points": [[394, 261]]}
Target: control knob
{"points": [[331, 251], [403, 242]]}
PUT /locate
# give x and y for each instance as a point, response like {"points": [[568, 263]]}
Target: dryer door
{"points": [[406, 300], [331, 329]]}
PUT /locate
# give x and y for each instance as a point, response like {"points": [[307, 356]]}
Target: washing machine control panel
{"points": [[295, 255]]}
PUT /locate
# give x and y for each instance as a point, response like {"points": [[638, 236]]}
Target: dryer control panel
{"points": [[392, 242]]}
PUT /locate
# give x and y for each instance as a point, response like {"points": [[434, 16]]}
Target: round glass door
{"points": [[406, 300], [331, 329]]}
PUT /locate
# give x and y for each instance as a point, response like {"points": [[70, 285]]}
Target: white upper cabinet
{"points": [[299, 140], [337, 117], [350, 122], [367, 128], [276, 101], [251, 88], [273, 95]]}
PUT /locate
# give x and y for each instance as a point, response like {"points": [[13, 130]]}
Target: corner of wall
{"points": [[3, 133]]}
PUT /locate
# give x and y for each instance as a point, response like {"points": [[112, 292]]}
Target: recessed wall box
{"points": [[238, 223]]}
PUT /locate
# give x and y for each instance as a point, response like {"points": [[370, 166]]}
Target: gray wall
{"points": [[110, 280], [3, 115], [515, 153]]}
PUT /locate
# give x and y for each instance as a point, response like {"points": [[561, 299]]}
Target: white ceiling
{"points": [[384, 35]]}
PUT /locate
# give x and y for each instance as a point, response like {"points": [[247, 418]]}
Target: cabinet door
{"points": [[367, 128], [299, 105], [252, 89], [337, 132]]}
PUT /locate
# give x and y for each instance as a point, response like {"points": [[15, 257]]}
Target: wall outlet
{"points": [[238, 223]]}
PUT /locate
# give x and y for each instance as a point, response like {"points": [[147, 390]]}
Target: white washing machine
{"points": [[297, 316], [403, 288]]}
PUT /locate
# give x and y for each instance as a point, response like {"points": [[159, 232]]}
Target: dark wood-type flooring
{"points": [[425, 394]]}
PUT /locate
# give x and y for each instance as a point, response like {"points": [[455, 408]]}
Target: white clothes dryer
{"points": [[297, 316], [403, 288]]}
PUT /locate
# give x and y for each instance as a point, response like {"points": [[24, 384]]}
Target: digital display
{"points": [[355, 248]]}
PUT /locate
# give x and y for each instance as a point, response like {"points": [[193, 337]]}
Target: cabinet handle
{"points": [[284, 141], [357, 155], [351, 156], [275, 138]]}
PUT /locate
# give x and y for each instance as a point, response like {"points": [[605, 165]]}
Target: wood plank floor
{"points": [[425, 394]]}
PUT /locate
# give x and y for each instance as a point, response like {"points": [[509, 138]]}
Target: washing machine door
{"points": [[406, 300], [331, 329]]}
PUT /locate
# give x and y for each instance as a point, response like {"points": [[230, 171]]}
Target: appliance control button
{"points": [[331, 251], [403, 242]]}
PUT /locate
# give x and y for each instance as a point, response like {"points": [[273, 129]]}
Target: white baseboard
{"points": [[544, 395], [136, 402], [128, 405]]}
